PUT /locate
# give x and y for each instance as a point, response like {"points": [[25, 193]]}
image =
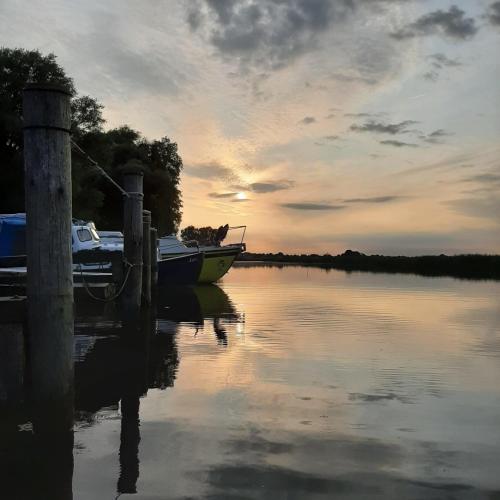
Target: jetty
{"points": [[38, 291]]}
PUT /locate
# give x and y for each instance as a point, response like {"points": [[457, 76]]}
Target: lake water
{"points": [[288, 382]]}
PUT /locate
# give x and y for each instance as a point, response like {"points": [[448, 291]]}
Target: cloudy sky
{"points": [[321, 124]]}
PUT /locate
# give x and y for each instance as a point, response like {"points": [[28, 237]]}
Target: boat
{"points": [[180, 269], [172, 270], [83, 237], [111, 239], [217, 258]]}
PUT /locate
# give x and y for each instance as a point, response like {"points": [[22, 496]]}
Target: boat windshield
{"points": [[84, 235]]}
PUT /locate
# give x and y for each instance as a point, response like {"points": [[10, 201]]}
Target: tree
{"points": [[93, 197], [205, 235], [18, 67], [86, 114]]}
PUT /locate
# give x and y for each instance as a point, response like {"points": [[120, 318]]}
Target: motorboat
{"points": [[180, 269], [172, 269], [217, 258]]}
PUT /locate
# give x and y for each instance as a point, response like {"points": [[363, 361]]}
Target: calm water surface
{"points": [[294, 383]]}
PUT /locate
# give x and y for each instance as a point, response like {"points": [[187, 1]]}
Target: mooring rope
{"points": [[99, 168], [122, 286]]}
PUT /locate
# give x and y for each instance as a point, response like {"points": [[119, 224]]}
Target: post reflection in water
{"points": [[117, 363], [333, 385]]}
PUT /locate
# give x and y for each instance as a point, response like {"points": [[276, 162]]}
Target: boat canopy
{"points": [[12, 234], [171, 244]]}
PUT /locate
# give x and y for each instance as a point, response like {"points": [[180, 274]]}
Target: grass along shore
{"points": [[471, 266]]}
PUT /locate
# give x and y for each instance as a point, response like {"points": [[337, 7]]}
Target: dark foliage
{"points": [[93, 197], [203, 235], [19, 67], [460, 266]]}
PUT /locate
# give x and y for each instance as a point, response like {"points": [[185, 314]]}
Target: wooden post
{"points": [[154, 256], [146, 258], [132, 235], [11, 363], [47, 162]]}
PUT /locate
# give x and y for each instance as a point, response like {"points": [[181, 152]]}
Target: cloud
{"points": [[494, 14], [486, 178], [330, 116], [439, 62], [436, 136], [194, 16], [358, 115], [487, 207], [399, 144], [329, 139], [212, 171], [127, 67], [384, 128], [312, 206], [222, 195], [270, 187], [451, 23], [432, 76], [307, 120], [342, 77], [488, 183], [375, 199], [265, 33]]}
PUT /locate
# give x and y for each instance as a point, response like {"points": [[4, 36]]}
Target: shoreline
{"points": [[470, 266]]}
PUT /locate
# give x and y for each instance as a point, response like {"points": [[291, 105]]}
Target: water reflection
{"points": [[116, 363], [281, 383], [199, 306]]}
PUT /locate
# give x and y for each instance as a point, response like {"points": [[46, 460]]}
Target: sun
{"points": [[241, 196]]}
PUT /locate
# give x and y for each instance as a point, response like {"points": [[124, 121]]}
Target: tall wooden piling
{"points": [[154, 256], [47, 162], [146, 258], [11, 364], [133, 238]]}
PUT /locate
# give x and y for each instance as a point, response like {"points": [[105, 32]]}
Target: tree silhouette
{"points": [[93, 197]]}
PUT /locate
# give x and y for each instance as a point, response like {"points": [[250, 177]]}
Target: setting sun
{"points": [[241, 196]]}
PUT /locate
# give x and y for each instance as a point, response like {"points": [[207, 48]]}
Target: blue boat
{"points": [[180, 270], [12, 239]]}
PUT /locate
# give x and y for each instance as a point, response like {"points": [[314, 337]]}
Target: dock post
{"points": [[154, 256], [47, 163], [12, 352], [146, 258], [132, 235]]}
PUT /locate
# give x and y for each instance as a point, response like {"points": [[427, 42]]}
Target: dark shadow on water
{"points": [[116, 363], [198, 305]]}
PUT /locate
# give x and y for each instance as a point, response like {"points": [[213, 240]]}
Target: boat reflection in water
{"points": [[197, 306], [116, 364]]}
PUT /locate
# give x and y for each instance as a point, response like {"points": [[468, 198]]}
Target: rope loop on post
{"points": [[86, 286], [135, 195]]}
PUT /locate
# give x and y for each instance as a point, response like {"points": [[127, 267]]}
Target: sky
{"points": [[322, 125]]}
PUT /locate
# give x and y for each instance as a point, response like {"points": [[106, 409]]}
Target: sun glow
{"points": [[241, 196]]}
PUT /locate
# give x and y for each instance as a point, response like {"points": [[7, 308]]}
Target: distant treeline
{"points": [[459, 266]]}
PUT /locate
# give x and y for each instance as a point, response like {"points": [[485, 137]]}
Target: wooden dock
{"points": [[100, 284]]}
